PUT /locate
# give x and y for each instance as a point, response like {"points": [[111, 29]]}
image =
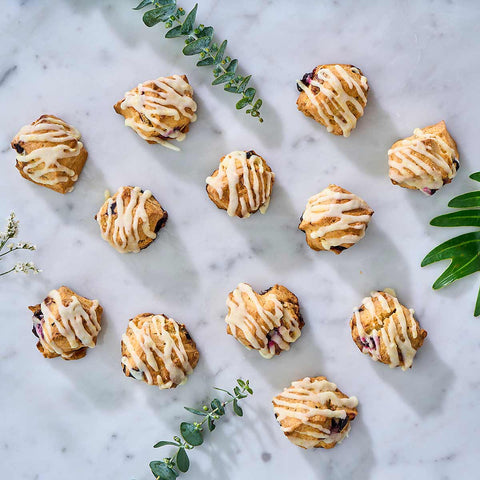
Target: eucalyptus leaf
{"points": [[237, 409], [174, 32], [467, 200], [205, 62], [162, 471], [187, 26], [197, 46], [232, 66], [226, 77], [206, 32], [183, 463], [217, 405], [196, 412], [211, 424], [221, 52], [191, 434], [157, 15], [143, 4], [243, 102], [250, 93], [243, 84], [223, 390], [162, 444]]}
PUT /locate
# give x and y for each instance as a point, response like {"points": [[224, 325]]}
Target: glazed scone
{"points": [[160, 110], [386, 330], [130, 220], [335, 96], [425, 161], [267, 322], [314, 413], [50, 153], [334, 219], [242, 184], [158, 350], [66, 324]]}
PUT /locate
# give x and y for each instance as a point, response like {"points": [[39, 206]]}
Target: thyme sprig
{"points": [[192, 433], [463, 250], [5, 237], [199, 41]]}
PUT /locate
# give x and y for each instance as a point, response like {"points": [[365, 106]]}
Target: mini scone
{"points": [[158, 350], [66, 324], [160, 110], [50, 153], [335, 219], [425, 161], [242, 184], [386, 330], [130, 220], [267, 322], [335, 96], [314, 413]]}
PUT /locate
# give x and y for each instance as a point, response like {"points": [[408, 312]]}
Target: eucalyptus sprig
{"points": [[463, 250], [5, 237], [199, 41], [192, 433]]}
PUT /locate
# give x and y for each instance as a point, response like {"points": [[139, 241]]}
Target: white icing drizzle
{"points": [[275, 329], [235, 170], [328, 205], [408, 163], [124, 230], [393, 338], [291, 403], [168, 97], [164, 351], [42, 161], [79, 327], [337, 100]]}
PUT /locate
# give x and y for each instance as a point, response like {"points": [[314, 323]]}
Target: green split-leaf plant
{"points": [[463, 250], [192, 433], [199, 41]]}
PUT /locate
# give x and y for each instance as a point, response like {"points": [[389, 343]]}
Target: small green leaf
{"points": [[183, 463], [206, 32], [220, 53], [143, 4], [174, 32], [205, 61], [157, 15], [236, 390], [467, 200], [475, 176], [236, 408], [241, 382], [243, 102], [162, 444], [187, 26], [191, 434], [243, 84], [196, 46], [223, 390], [231, 88], [226, 77], [462, 218], [211, 424], [232, 66], [195, 411], [162, 471], [250, 93], [217, 405]]}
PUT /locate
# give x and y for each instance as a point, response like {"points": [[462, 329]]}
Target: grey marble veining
{"points": [[85, 420]]}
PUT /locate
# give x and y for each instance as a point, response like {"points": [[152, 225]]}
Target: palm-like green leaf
{"points": [[467, 200], [475, 176], [462, 218]]}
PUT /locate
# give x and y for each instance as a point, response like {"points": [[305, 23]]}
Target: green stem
{"points": [[8, 271], [9, 251]]}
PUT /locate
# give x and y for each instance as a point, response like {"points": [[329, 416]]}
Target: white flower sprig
{"points": [[12, 232]]}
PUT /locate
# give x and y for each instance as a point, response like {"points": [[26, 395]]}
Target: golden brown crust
{"points": [[156, 330], [256, 333], [248, 199], [178, 123], [330, 238], [431, 139], [69, 352], [157, 218], [74, 163], [380, 318], [327, 117], [296, 410]]}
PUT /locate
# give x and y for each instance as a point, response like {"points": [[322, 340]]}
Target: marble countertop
{"points": [[85, 419]]}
